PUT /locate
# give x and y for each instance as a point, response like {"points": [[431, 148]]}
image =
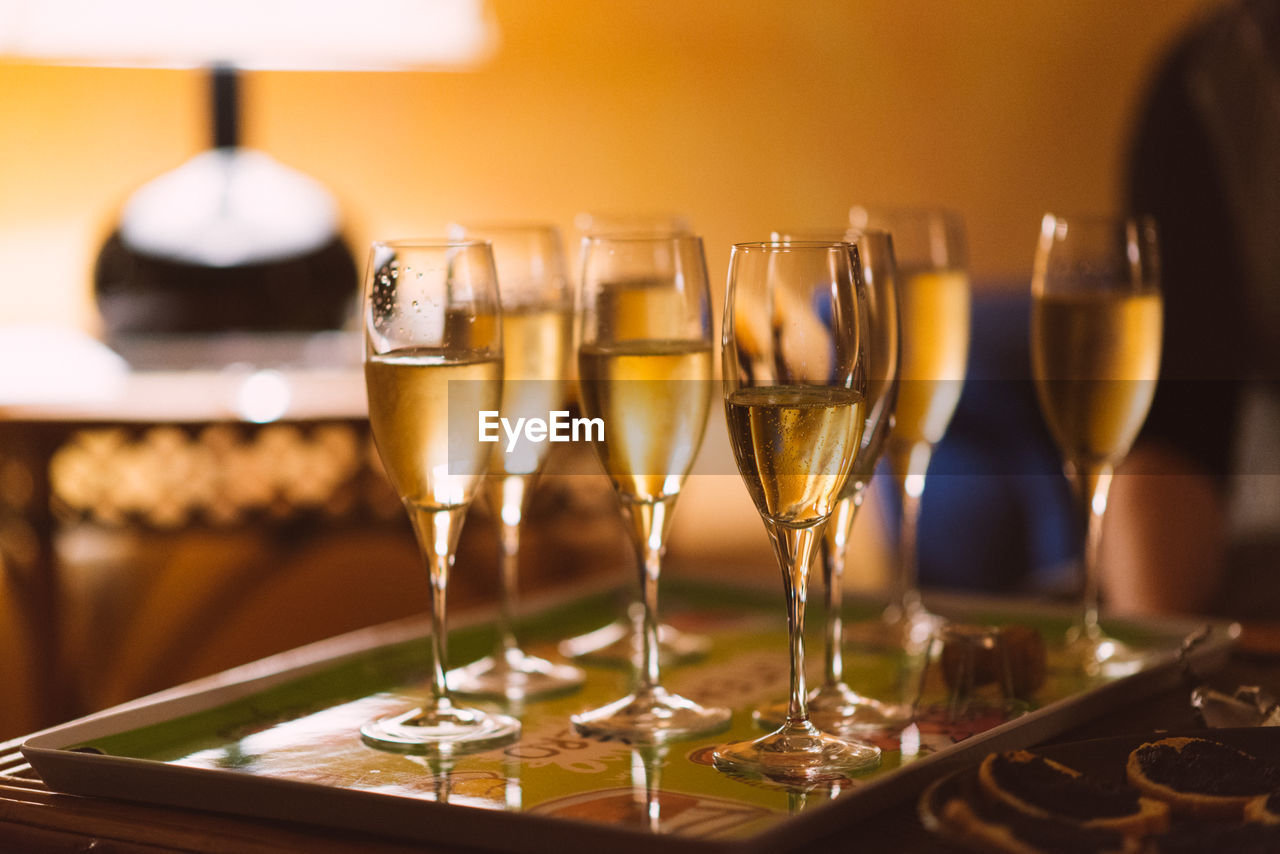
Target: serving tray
{"points": [[279, 738]]}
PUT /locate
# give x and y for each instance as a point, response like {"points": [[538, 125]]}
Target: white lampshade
{"points": [[316, 35], [226, 207]]}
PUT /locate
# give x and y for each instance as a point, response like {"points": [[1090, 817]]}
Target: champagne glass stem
{"points": [[511, 492], [646, 777], [442, 781], [510, 672], [1093, 484], [437, 532], [649, 714], [649, 523], [909, 465], [796, 548], [905, 594], [649, 636], [834, 548]]}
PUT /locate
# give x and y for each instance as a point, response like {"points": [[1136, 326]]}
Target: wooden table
{"points": [[34, 819]]}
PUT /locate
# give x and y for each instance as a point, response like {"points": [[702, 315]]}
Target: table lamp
{"points": [[232, 240]]}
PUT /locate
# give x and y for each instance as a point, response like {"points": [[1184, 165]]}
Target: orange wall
{"points": [[746, 114]]}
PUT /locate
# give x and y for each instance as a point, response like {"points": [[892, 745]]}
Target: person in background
{"points": [[1196, 519]]}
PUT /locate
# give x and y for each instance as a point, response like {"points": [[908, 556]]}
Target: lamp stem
{"points": [[225, 90]]}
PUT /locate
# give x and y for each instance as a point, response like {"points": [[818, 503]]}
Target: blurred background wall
{"points": [[745, 115]]}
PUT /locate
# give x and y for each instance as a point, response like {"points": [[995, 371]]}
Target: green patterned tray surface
{"points": [[306, 729]]}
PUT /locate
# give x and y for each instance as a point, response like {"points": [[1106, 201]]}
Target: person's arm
{"points": [[1164, 538]]}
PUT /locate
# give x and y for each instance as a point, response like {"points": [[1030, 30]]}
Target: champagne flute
{"points": [[644, 365], [537, 332], [619, 641], [933, 306], [834, 706], [1096, 316], [795, 399], [433, 362]]}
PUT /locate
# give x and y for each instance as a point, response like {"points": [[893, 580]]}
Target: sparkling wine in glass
{"points": [[1096, 327], [433, 362], [644, 367], [834, 706], [537, 337], [933, 311], [795, 403]]}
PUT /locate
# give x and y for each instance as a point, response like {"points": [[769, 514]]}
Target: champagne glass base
{"points": [[441, 731], [839, 710], [796, 753], [1093, 652], [515, 675], [652, 717], [617, 645]]}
